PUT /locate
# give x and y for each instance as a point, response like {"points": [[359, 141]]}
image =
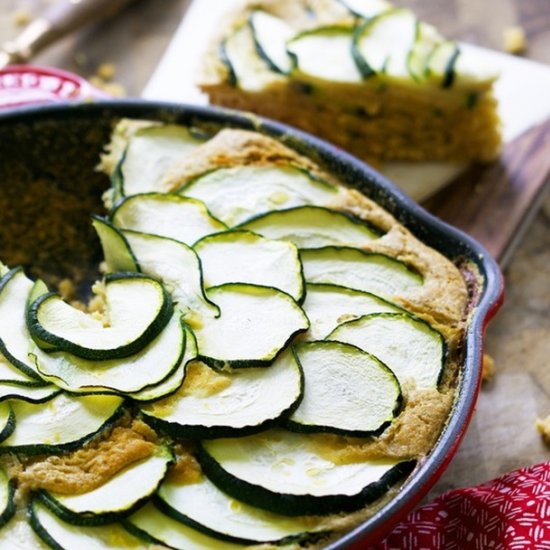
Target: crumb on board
{"points": [[110, 88], [514, 39], [103, 79], [21, 17], [488, 369], [543, 427]]}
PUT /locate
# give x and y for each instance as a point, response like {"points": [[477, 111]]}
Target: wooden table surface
{"points": [[503, 434]]}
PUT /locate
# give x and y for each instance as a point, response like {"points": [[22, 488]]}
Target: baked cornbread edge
{"points": [[374, 122]]}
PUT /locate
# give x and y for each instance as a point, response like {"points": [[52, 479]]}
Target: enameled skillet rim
{"points": [[437, 234]]}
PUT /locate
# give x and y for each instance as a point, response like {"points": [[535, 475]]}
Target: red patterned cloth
{"points": [[511, 512]]}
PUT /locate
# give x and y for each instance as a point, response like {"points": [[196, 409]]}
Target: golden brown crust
{"points": [[87, 468]]}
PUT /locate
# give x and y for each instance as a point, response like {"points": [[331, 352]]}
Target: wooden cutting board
{"points": [[492, 203], [495, 203]]}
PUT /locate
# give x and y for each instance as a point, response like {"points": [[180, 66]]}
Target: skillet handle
{"points": [[63, 17]]}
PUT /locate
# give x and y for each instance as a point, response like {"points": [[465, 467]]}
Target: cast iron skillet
{"points": [[58, 146]]}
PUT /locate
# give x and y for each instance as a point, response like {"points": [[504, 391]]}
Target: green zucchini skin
{"points": [[302, 538], [90, 520], [7, 430], [9, 510], [24, 368], [37, 526], [57, 343], [28, 398], [214, 432], [299, 505], [31, 450]]}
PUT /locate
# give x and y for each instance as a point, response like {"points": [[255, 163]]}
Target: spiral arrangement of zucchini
{"points": [[372, 78], [241, 317]]}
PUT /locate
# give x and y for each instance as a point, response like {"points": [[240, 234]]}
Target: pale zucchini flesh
{"points": [[328, 306], [148, 367], [10, 374], [116, 497], [312, 227], [244, 257], [177, 267], [334, 64], [420, 355], [236, 194], [255, 324], [65, 423], [245, 66], [152, 526], [116, 250], [366, 8], [61, 535], [248, 401], [270, 37], [15, 288], [282, 472], [173, 381], [382, 44], [24, 392], [150, 153], [137, 309], [353, 268], [167, 215], [347, 391], [203, 506]]}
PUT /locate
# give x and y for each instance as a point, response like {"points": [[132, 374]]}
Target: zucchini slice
{"points": [[244, 257], [173, 381], [359, 270], [116, 250], [154, 527], [328, 306], [66, 423], [255, 324], [150, 153], [239, 53], [15, 289], [236, 194], [270, 35], [10, 374], [245, 401], [116, 498], [203, 506], [177, 267], [365, 9], [32, 394], [137, 309], [7, 502], [60, 535], [383, 43], [364, 393], [419, 356], [282, 472], [167, 215], [440, 66], [148, 367], [427, 40], [334, 64], [312, 227], [17, 534], [7, 425]]}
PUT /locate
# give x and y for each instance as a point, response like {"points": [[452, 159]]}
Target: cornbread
{"points": [[309, 64], [418, 288]]}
